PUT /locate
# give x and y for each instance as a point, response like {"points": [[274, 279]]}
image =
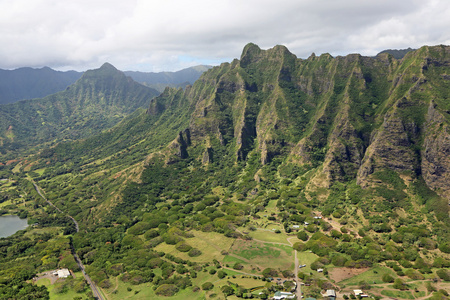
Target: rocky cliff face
{"points": [[344, 118]]}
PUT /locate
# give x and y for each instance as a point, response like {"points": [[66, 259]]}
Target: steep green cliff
{"points": [[345, 117]]}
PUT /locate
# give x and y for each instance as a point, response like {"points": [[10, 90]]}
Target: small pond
{"points": [[11, 224]]}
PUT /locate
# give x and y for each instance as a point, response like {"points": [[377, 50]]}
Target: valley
{"points": [[270, 173]]}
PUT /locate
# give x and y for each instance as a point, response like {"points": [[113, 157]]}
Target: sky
{"points": [[169, 35]]}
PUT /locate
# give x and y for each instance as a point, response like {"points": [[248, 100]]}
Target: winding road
{"points": [[95, 291]]}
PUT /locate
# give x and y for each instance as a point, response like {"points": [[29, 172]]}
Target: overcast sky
{"points": [[168, 35]]}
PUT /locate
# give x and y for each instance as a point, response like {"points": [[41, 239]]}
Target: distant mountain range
{"points": [[397, 53], [29, 83], [159, 81]]}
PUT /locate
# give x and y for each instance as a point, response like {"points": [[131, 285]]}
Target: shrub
{"points": [[302, 235], [207, 286], [413, 274], [443, 274], [221, 274], [269, 272], [166, 290], [152, 233], [183, 247], [335, 233], [194, 252], [299, 246], [387, 278], [399, 284], [445, 247]]}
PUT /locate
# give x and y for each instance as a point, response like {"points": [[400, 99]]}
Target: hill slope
{"points": [[97, 101], [263, 163]]}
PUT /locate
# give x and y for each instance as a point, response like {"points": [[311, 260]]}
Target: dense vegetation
{"points": [[210, 191]]}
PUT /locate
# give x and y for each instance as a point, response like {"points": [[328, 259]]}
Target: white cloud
{"points": [[172, 34]]}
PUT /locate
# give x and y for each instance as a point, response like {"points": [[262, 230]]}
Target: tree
{"points": [[302, 235], [443, 274], [221, 274], [207, 286], [269, 272], [166, 290], [387, 278], [227, 290], [400, 284]]}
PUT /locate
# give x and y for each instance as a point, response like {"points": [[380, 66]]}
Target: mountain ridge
{"points": [[30, 83], [98, 100], [338, 162]]}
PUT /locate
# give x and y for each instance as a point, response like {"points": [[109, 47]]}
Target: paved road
{"points": [[94, 289], [296, 264]]}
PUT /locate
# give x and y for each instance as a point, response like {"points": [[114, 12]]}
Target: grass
{"points": [[372, 275], [145, 291], [246, 282], [400, 294], [210, 243], [69, 295], [39, 231], [265, 255], [269, 236]]}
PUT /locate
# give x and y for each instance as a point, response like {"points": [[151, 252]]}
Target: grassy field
{"points": [[264, 255], [269, 236], [69, 295], [371, 276], [246, 282], [145, 291], [306, 258], [210, 243], [402, 294]]}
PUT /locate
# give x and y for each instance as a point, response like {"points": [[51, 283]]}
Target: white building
{"points": [[283, 295], [62, 273]]}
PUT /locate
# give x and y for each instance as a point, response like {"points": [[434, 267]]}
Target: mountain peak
{"points": [[108, 66], [106, 70]]}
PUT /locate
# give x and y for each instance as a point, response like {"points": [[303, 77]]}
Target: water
{"points": [[11, 224]]}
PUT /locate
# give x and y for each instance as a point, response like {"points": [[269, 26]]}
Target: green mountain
{"points": [[29, 83], [97, 101], [266, 167]]}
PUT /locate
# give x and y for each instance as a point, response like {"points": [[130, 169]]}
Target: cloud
{"points": [[172, 34]]}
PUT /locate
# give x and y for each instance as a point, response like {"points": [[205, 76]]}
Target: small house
{"points": [[360, 293], [63, 273], [320, 270], [283, 295], [331, 294]]}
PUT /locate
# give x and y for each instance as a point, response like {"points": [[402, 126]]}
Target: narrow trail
{"points": [[94, 289]]}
